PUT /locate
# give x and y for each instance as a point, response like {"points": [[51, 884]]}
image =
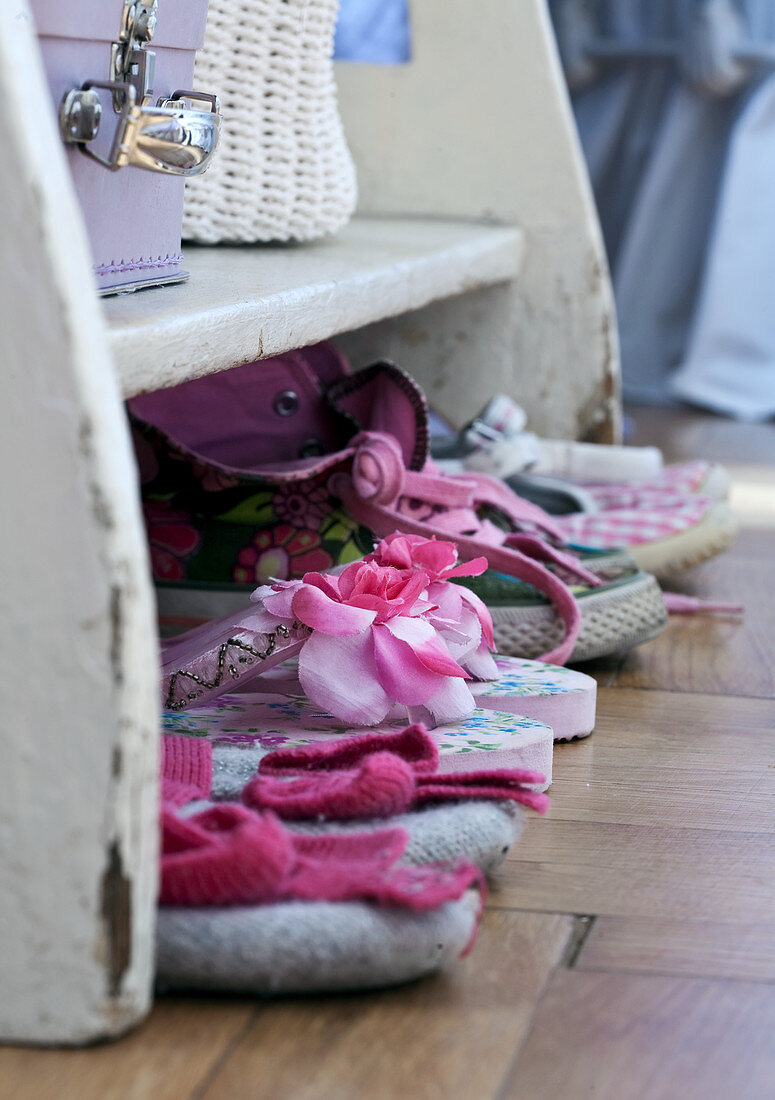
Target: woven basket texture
{"points": [[283, 170]]}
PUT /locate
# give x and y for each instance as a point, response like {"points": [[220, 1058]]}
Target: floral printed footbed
{"points": [[487, 739], [551, 694], [561, 697]]}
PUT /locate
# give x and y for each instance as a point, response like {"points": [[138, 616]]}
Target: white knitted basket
{"points": [[283, 170]]}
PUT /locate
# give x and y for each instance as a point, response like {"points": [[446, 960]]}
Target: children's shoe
{"points": [[377, 645], [496, 442], [392, 631], [374, 905], [311, 947], [254, 474], [615, 617], [479, 831], [664, 537], [668, 518], [245, 904], [243, 727], [250, 905], [678, 480]]}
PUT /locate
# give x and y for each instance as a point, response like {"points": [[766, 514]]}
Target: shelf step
{"points": [[250, 302]]}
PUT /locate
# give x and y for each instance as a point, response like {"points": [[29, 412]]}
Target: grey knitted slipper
{"points": [[308, 947], [315, 947], [478, 832]]}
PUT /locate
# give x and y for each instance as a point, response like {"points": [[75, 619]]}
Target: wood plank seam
{"points": [[582, 926], [500, 1092], [210, 1075], [690, 975], [655, 687]]}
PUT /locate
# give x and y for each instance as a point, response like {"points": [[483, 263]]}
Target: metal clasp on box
{"points": [[130, 62], [171, 137]]}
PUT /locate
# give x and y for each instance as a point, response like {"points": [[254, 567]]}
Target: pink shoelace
{"points": [[679, 604], [378, 482]]}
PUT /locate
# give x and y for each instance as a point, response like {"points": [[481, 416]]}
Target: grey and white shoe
{"points": [[627, 610]]}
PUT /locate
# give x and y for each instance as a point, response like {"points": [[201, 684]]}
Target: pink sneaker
{"points": [[262, 472], [604, 498]]}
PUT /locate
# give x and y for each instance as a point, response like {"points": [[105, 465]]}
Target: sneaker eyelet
{"points": [[286, 403], [311, 448]]}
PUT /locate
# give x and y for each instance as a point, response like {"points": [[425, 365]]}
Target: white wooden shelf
{"points": [[250, 302]]}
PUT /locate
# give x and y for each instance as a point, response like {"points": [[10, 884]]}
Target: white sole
{"points": [[667, 557], [611, 620]]}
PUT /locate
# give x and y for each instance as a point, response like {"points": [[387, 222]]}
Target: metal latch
{"points": [[171, 137], [130, 62]]}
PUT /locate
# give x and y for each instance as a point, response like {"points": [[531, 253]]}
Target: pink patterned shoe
{"points": [[669, 523], [259, 475], [679, 479], [387, 639], [664, 534], [667, 519]]}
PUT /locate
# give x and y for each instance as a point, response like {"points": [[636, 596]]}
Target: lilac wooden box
{"points": [[133, 208]]}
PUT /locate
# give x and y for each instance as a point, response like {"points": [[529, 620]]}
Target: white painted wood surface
{"points": [[78, 749], [478, 125], [247, 303]]}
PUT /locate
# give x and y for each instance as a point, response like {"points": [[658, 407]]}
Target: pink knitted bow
{"points": [[230, 855], [376, 776]]}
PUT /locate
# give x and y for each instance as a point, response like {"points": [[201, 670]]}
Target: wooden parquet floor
{"points": [[628, 949]]}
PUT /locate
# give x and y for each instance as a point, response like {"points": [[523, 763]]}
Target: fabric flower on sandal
{"points": [[372, 645], [459, 616]]}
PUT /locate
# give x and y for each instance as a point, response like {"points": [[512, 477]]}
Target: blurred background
{"points": [[675, 106]]}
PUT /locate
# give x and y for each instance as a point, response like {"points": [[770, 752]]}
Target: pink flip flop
{"points": [[387, 640], [562, 697], [264, 722]]}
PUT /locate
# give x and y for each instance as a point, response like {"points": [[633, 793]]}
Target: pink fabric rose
{"points": [[436, 558], [372, 643], [459, 617]]}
